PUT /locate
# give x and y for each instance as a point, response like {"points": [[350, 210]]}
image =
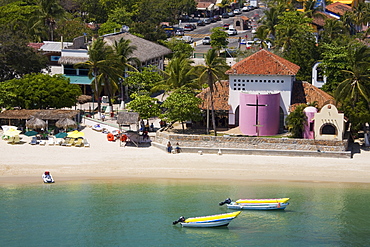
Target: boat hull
{"points": [[269, 200], [258, 206], [210, 221], [207, 224]]}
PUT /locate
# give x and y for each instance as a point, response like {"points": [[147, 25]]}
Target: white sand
{"points": [[25, 163]]}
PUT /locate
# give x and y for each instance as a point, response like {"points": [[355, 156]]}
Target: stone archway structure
{"points": [[241, 23], [329, 124]]}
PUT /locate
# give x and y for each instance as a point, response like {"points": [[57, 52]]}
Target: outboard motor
{"points": [[181, 219], [227, 201]]}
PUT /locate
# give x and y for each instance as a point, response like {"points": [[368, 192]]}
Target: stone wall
{"points": [[259, 145]]}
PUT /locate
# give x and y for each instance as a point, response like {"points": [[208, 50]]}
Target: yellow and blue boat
{"points": [[208, 221], [257, 204]]}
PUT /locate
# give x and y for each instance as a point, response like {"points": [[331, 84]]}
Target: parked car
{"points": [[237, 11], [245, 9], [179, 32], [226, 26], [217, 18], [194, 26], [201, 23], [188, 27], [231, 14], [207, 21], [225, 15], [232, 31], [206, 40]]}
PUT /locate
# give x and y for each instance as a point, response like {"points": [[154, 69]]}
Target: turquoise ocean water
{"points": [[140, 213]]}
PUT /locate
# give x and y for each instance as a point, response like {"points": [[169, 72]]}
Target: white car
{"points": [[232, 31], [237, 11], [206, 40]]}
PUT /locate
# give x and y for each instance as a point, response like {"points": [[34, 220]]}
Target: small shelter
{"points": [[66, 123], [329, 124], [127, 119], [36, 123]]}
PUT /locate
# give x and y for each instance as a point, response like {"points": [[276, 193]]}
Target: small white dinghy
{"points": [[207, 221], [47, 178]]}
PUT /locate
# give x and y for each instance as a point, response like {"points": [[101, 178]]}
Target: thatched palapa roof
{"points": [[146, 50], [127, 118], [72, 60], [41, 114]]}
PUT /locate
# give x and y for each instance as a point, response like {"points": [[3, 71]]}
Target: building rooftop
{"points": [[220, 97], [264, 62]]}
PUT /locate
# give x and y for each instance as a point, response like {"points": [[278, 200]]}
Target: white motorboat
{"points": [[257, 204], [208, 221]]}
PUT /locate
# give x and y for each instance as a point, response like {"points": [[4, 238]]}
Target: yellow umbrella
{"points": [[75, 134], [12, 132]]}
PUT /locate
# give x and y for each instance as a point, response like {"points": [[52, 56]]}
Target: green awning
{"points": [[78, 79]]}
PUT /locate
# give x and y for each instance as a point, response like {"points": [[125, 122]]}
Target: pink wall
{"points": [[268, 114], [308, 132]]}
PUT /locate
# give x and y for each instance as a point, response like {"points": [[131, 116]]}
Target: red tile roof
{"points": [[202, 5], [220, 97], [319, 20], [35, 46], [264, 62], [304, 92], [338, 8]]}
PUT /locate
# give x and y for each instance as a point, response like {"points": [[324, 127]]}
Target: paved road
{"points": [[201, 31]]}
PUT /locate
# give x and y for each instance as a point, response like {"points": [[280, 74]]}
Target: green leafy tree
{"points": [[146, 106], [181, 106], [142, 82], [16, 15], [71, 29], [219, 38], [39, 91], [178, 47], [295, 121], [16, 58], [109, 27], [211, 72]]}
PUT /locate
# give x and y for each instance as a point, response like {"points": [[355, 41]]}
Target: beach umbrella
{"points": [[61, 135], [12, 132], [31, 133], [75, 134], [35, 123], [66, 123]]}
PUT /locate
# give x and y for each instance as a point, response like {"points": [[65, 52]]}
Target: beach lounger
{"points": [[70, 142], [51, 141], [86, 143], [11, 140], [17, 140], [33, 140], [42, 142], [65, 141], [79, 142]]}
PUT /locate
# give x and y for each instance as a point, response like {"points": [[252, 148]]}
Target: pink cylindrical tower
{"points": [[308, 130], [259, 114]]}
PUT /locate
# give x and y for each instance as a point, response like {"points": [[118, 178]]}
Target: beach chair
{"points": [[11, 140], [33, 140], [51, 141], [79, 142], [65, 141], [42, 142], [70, 142], [17, 140], [86, 143]]}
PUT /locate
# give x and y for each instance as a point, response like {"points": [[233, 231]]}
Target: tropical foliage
{"points": [[38, 91]]}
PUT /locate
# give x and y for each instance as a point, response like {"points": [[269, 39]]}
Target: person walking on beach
{"points": [[169, 147]]}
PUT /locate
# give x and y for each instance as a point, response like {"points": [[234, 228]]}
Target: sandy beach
{"points": [[25, 163]]}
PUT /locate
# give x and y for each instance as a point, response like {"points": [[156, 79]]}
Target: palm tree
{"points": [[178, 74], [333, 29], [358, 75], [46, 15], [270, 20], [98, 66], [211, 72], [124, 50], [262, 36]]}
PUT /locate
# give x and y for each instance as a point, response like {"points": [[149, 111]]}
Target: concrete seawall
{"points": [[254, 145]]}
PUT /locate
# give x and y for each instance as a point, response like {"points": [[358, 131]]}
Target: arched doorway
{"points": [[237, 117], [328, 129]]}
